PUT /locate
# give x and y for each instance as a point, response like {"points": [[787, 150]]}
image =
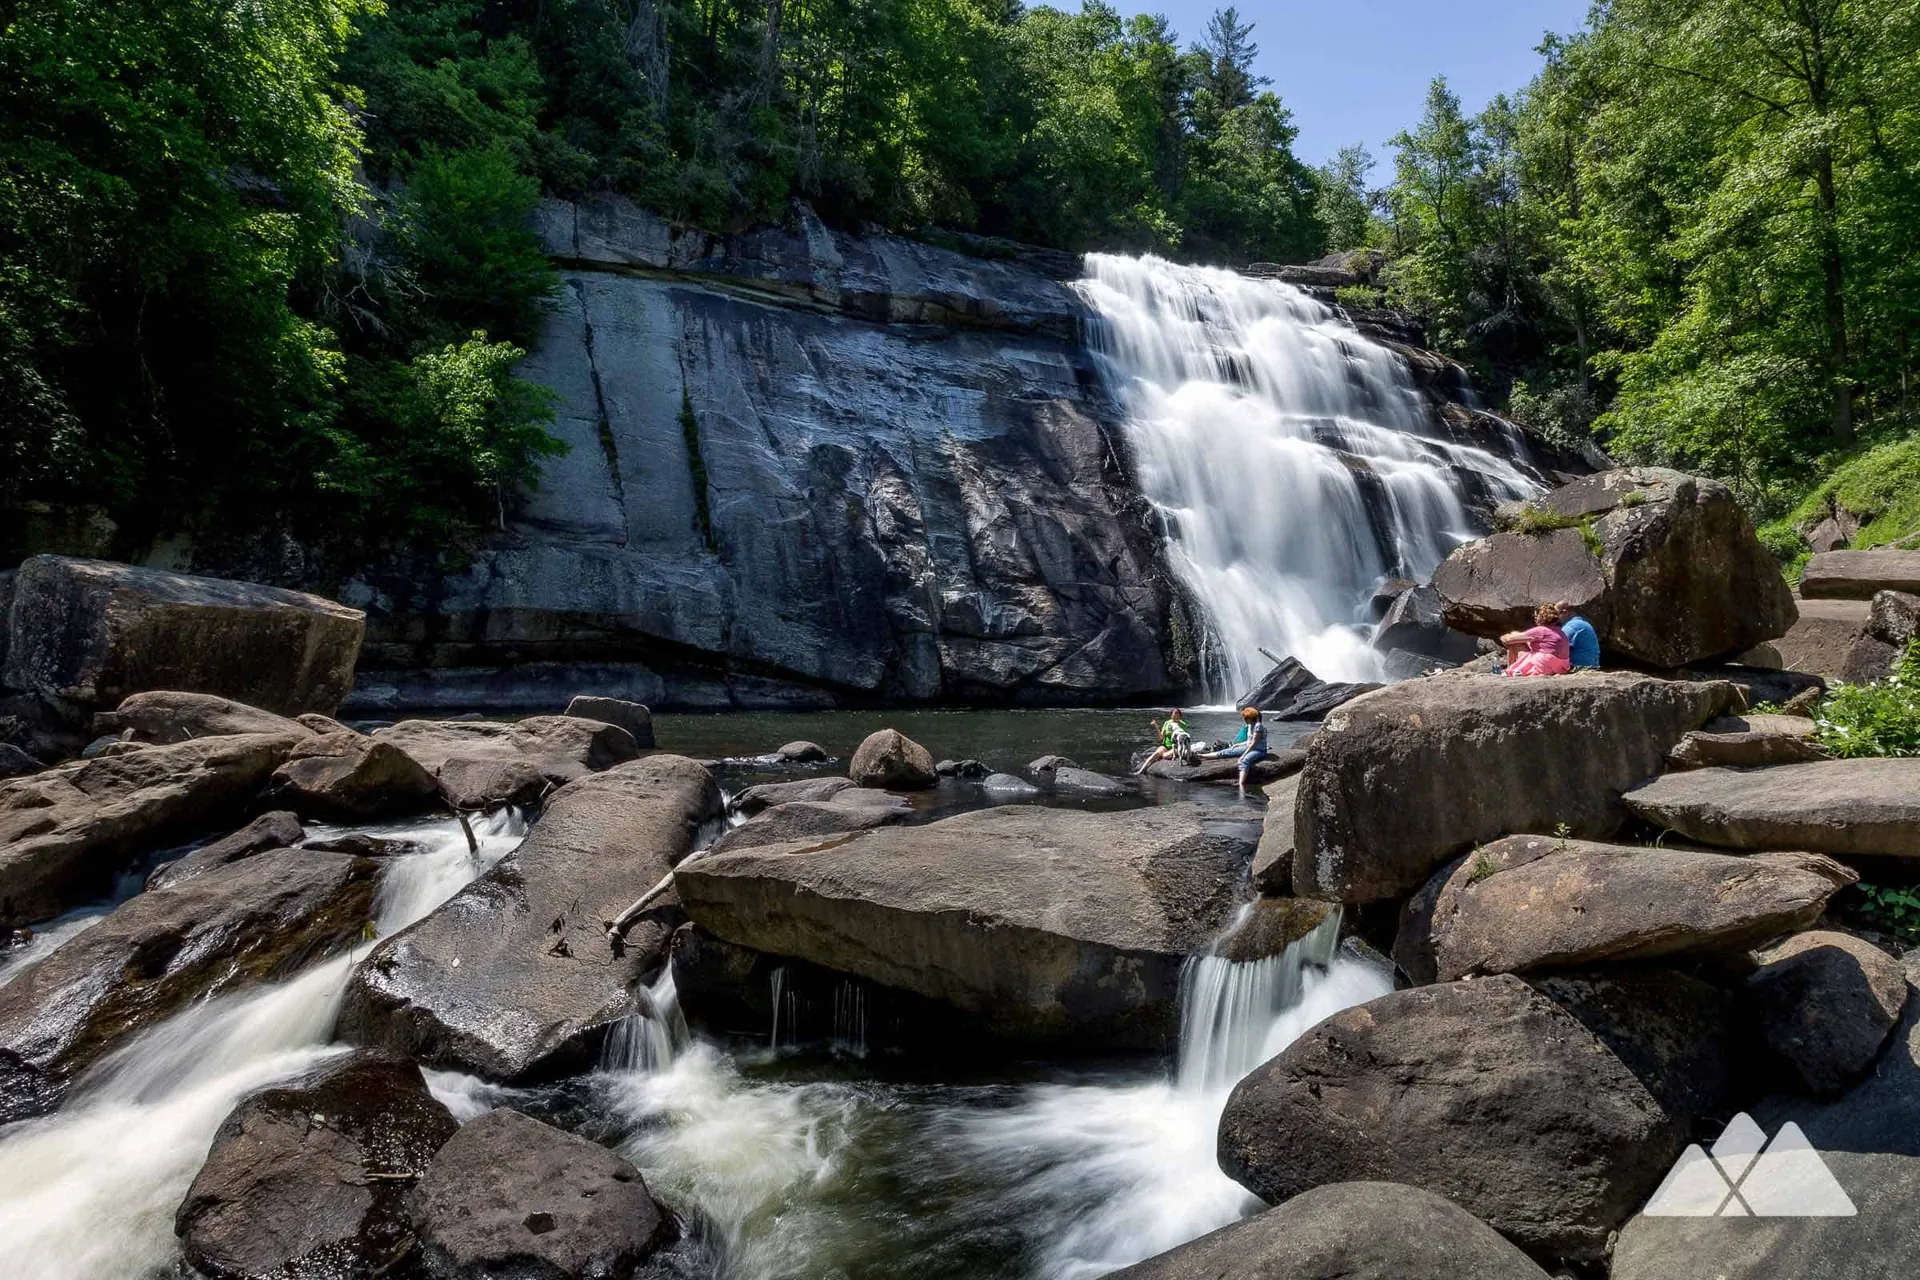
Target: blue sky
{"points": [[1357, 71]]}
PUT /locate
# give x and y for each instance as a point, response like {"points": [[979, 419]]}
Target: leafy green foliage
{"points": [[1891, 909], [1877, 719]]}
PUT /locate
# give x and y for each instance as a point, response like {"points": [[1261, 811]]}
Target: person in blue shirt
{"points": [[1583, 642]]}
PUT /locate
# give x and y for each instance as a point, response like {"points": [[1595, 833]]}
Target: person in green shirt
{"points": [[1175, 741]]}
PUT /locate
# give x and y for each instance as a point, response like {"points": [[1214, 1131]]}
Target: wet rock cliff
{"points": [[805, 468]]}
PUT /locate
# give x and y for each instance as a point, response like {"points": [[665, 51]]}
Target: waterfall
{"points": [[649, 1038], [1228, 1010], [1293, 461]]}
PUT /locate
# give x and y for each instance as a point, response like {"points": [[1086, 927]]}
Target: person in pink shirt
{"points": [[1540, 650]]}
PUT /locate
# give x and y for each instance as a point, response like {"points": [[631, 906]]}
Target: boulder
{"points": [[351, 777], [231, 928], [636, 719], [1004, 787], [1859, 575], [855, 809], [804, 753], [1399, 664], [91, 632], [481, 764], [1826, 1002], [1820, 641], [1665, 566], [767, 794], [1272, 924], [1417, 624], [165, 716], [961, 769], [1291, 692], [1893, 619], [1400, 781], [1385, 594], [509, 1197], [1272, 869], [1864, 807], [890, 759], [317, 723], [516, 976], [1047, 764], [66, 832], [1335, 1232], [1868, 1140], [1279, 686], [1535, 902], [1748, 741], [276, 830], [310, 1181], [1056, 925], [15, 763], [1552, 1110], [1088, 783]]}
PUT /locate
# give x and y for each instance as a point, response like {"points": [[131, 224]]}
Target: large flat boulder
{"points": [[66, 832], [1348, 1231], [1864, 807], [1400, 781], [1036, 924], [310, 1181], [1825, 1002], [1548, 1111], [1868, 1140], [853, 809], [168, 716], [516, 976], [765, 795], [510, 1197], [482, 764], [255, 921], [1748, 741], [1665, 565], [1859, 575], [1537, 902], [1820, 641], [1280, 764], [352, 778], [91, 632]]}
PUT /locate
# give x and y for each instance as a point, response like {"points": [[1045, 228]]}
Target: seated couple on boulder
{"points": [[1559, 641]]}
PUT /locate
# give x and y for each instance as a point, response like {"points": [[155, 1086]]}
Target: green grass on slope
{"points": [[1880, 485]]}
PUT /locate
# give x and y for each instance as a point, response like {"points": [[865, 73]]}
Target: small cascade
{"points": [[1293, 461], [653, 1035], [1228, 1009], [850, 1017]]}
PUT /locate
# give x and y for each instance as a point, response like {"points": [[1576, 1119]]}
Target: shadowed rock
{"points": [[1748, 741], [92, 632], [1826, 1002], [276, 830], [1552, 1111], [515, 976], [1272, 869], [310, 1181], [231, 928], [66, 832], [1867, 806], [635, 718], [351, 777], [1534, 902], [1472, 758], [1037, 924], [1348, 1231]]}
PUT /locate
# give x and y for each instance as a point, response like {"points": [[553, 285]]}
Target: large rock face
{"points": [[1037, 924], [515, 976], [310, 1181], [1868, 807], [778, 467], [91, 632], [1535, 902], [1348, 1231], [1471, 758], [1868, 1139], [258, 920], [1544, 1112], [66, 832], [1678, 576]]}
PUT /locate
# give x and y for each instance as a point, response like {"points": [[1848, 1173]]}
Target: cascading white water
{"points": [[1228, 1010], [1291, 458], [89, 1193]]}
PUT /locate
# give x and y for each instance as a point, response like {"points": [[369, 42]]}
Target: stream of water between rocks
{"points": [[791, 1163]]}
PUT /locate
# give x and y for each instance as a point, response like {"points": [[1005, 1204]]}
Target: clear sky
{"points": [[1357, 70]]}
